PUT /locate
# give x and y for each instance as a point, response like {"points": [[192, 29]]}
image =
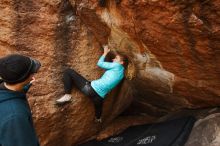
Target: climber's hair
{"points": [[123, 58], [130, 71]]}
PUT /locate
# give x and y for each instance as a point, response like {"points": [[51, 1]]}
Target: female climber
{"points": [[96, 89]]}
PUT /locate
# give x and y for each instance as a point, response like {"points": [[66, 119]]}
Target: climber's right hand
{"points": [[106, 49]]}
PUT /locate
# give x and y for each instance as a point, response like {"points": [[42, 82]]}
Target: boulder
{"points": [[173, 48]]}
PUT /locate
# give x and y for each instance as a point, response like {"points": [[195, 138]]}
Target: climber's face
{"points": [[117, 59]]}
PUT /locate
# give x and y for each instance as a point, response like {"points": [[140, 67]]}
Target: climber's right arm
{"points": [[101, 63]]}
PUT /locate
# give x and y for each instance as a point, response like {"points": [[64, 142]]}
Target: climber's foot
{"points": [[64, 99], [98, 120]]}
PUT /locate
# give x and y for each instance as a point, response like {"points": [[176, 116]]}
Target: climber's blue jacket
{"points": [[16, 126], [113, 75]]}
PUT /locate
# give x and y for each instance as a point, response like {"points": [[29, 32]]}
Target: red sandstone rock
{"points": [[173, 47]]}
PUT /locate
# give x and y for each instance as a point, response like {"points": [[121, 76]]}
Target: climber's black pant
{"points": [[71, 78]]}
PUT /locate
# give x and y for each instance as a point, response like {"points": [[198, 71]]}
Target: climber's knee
{"points": [[69, 72]]}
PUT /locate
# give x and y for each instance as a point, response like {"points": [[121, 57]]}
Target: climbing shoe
{"points": [[98, 120], [64, 99]]}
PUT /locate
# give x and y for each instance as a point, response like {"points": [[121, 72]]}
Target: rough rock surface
{"points": [[206, 132], [173, 47]]}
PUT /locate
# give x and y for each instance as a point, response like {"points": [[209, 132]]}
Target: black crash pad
{"points": [[169, 133]]}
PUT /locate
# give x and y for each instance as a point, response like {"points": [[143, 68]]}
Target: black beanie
{"points": [[16, 68]]}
